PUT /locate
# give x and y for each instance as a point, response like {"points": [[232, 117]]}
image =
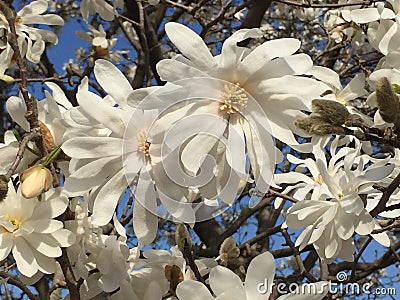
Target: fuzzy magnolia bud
{"points": [[228, 250], [174, 275], [332, 111], [35, 181], [182, 237], [388, 102], [3, 187], [316, 125]]}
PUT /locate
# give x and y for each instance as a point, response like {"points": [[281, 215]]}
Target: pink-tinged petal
{"points": [[222, 279], [24, 256], [92, 147], [185, 291], [119, 87], [191, 45], [107, 199], [145, 223], [261, 270], [16, 108]]}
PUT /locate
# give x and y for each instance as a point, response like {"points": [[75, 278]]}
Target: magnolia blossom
{"points": [[254, 95], [227, 285], [31, 40], [331, 224], [102, 7], [29, 231], [101, 44]]}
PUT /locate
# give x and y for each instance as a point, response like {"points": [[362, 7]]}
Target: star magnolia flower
{"points": [[108, 164], [331, 224], [227, 285], [242, 89], [105, 10], [267, 73], [31, 40], [29, 231], [101, 45]]}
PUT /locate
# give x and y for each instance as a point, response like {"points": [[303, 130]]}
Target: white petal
{"points": [[92, 147], [112, 81], [185, 291], [190, 45], [16, 108], [222, 279], [107, 199], [261, 270], [23, 255]]}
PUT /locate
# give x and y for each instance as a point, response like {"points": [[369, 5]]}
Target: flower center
{"points": [[143, 144], [16, 224], [233, 100], [18, 20], [319, 179]]}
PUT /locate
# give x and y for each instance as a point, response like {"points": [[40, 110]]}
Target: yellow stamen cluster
{"points": [[18, 20], [16, 224], [233, 100], [319, 179], [143, 144]]}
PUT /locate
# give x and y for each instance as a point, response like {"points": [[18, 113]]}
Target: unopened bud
{"points": [[47, 136], [3, 187], [8, 79], [316, 125], [228, 250], [35, 181], [332, 111], [182, 237], [388, 102]]}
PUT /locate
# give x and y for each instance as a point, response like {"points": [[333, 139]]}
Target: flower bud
{"points": [[182, 237], [388, 102], [3, 187], [316, 125], [332, 111], [35, 181], [47, 136], [228, 250]]}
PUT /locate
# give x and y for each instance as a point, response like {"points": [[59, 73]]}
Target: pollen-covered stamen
{"points": [[233, 100], [319, 179], [143, 144], [16, 224], [18, 20]]}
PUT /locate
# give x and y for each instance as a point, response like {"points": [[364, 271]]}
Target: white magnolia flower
{"points": [[101, 7], [268, 73], [29, 231], [355, 13], [227, 285], [31, 40], [241, 90], [101, 44], [331, 224]]}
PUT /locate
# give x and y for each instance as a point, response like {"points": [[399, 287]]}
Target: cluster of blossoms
{"points": [[187, 150]]}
